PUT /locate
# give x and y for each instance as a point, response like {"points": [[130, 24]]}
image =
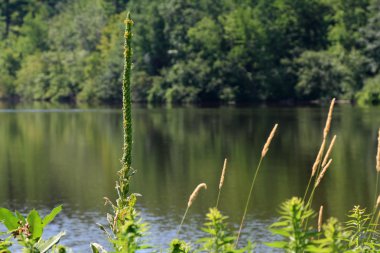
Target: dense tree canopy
{"points": [[191, 50]]}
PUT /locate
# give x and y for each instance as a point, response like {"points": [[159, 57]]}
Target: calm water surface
{"points": [[52, 155]]}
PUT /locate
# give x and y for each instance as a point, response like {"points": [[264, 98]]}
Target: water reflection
{"points": [[51, 155]]}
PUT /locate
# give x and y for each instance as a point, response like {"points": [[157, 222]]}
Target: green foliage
{"points": [[370, 40], [349, 16], [335, 239], [127, 228], [125, 223], [291, 226], [219, 238], [186, 51], [359, 228], [321, 75], [4, 245], [178, 246], [370, 94], [28, 231]]}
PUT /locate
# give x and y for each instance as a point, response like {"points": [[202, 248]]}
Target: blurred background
{"points": [[203, 51]]}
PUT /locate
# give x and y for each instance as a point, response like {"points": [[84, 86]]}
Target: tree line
{"points": [[193, 51]]}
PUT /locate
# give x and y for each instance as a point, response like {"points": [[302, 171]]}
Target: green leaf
{"points": [[8, 218], [278, 244], [282, 232], [279, 224], [97, 248], [20, 217], [48, 218], [43, 246], [35, 224]]}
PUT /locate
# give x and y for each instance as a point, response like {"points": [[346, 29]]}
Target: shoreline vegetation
{"points": [[186, 51], [298, 227]]}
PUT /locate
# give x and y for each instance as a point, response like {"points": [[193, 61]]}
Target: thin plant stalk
{"points": [[377, 166], [376, 188], [264, 151], [316, 167], [320, 220], [221, 181], [374, 212], [377, 220], [307, 188], [248, 199], [376, 199], [263, 154], [190, 202], [183, 219], [317, 164], [318, 180]]}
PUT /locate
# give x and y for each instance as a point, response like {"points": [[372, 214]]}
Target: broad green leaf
{"points": [[97, 248], [279, 224], [45, 245], [48, 218], [35, 224], [9, 219], [280, 232], [277, 244], [313, 248]]}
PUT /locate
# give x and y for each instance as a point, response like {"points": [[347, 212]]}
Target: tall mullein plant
{"points": [[125, 224], [126, 171]]}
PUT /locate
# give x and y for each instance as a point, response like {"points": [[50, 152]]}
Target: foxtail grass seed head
{"points": [[320, 219], [319, 158], [329, 151], [328, 121], [378, 201], [324, 169], [378, 153], [266, 146], [223, 174], [195, 193]]}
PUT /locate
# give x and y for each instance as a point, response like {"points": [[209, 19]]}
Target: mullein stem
{"points": [[126, 161]]}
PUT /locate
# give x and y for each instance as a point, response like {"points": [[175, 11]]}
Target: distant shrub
{"points": [[370, 94]]}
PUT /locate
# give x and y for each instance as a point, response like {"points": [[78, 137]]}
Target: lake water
{"points": [[52, 155]]}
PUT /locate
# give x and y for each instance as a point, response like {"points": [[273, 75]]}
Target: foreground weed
{"points": [[360, 230], [219, 239], [290, 227], [5, 243], [125, 224], [334, 239], [28, 230], [178, 246]]}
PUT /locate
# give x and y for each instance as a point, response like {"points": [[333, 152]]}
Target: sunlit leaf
{"points": [[35, 224], [48, 218], [9, 219]]}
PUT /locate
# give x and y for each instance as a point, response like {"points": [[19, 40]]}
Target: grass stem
{"points": [[183, 219], [217, 200], [307, 188], [247, 203]]}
